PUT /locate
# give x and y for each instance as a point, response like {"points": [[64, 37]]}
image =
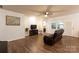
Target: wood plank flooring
{"points": [[35, 44]]}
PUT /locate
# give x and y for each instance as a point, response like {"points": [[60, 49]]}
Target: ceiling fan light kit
{"points": [[46, 15]]}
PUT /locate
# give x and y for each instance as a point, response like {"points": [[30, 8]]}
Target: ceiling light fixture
{"points": [[46, 15]]}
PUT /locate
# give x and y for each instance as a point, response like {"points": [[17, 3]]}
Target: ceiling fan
{"points": [[48, 12], [44, 13]]}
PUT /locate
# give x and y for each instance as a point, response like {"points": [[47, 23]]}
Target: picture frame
{"points": [[12, 20]]}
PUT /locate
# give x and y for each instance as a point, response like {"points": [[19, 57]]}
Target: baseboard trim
{"points": [[71, 36], [16, 38]]}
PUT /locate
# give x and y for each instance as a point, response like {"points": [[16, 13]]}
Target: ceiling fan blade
{"points": [[48, 8], [51, 16], [53, 12], [58, 11]]}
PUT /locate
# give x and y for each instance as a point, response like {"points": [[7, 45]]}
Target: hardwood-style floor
{"points": [[35, 44]]}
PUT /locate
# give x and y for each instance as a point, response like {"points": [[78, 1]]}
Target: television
{"points": [[33, 26]]}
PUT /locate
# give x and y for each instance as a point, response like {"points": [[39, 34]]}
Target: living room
{"points": [[34, 23]]}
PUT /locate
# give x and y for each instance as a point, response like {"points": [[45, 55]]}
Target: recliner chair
{"points": [[52, 39]]}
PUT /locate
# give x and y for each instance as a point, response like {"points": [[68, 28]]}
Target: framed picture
{"points": [[12, 20]]}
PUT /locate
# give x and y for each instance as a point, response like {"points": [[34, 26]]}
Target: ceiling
{"points": [[36, 10]]}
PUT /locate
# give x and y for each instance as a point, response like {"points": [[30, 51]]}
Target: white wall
{"points": [[71, 24], [9, 33], [38, 22]]}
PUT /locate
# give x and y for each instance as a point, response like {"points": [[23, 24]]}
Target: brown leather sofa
{"points": [[53, 38]]}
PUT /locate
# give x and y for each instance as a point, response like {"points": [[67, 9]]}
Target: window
{"points": [[57, 25], [53, 25]]}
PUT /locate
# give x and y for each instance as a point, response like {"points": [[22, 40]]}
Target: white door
{"points": [[68, 28]]}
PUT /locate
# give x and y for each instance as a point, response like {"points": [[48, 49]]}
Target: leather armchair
{"points": [[52, 39]]}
